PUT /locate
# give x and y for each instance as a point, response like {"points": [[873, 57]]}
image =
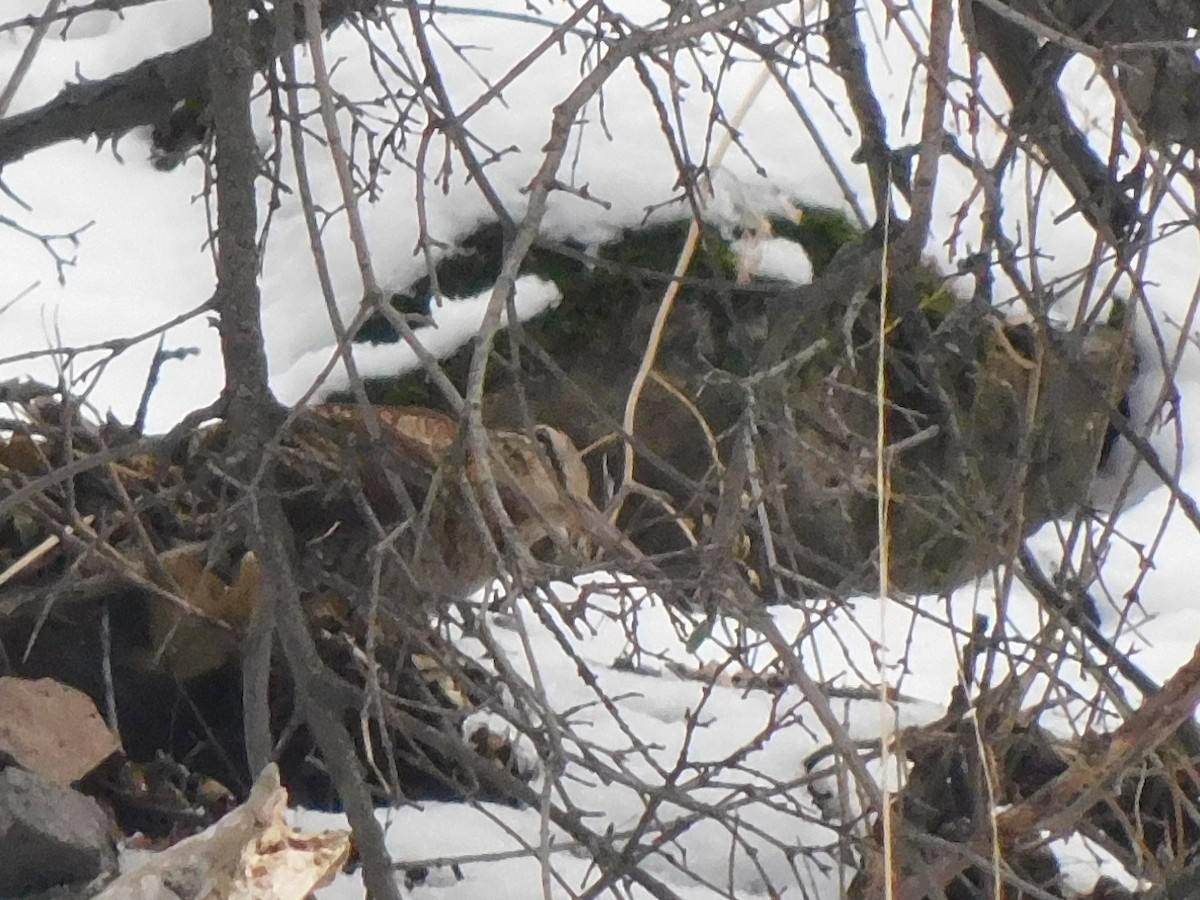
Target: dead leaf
{"points": [[190, 645], [20, 453]]}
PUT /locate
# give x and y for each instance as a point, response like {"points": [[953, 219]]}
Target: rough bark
{"points": [[144, 95], [250, 415]]}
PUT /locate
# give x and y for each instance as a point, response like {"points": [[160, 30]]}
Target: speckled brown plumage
{"points": [[414, 478]]}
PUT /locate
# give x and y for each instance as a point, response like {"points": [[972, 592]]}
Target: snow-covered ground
{"points": [[143, 260]]}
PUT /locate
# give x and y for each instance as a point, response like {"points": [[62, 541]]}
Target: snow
{"points": [[1084, 862], [454, 321], [143, 261]]}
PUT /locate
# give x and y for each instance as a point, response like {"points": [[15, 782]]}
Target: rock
{"points": [[994, 426], [78, 891], [49, 835], [52, 729]]}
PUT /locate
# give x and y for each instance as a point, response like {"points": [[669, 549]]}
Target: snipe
{"points": [[436, 539]]}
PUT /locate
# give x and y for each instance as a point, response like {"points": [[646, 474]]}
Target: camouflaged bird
{"points": [[414, 477]]}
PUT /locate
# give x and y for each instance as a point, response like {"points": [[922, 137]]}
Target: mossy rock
{"points": [[958, 388], [606, 294]]}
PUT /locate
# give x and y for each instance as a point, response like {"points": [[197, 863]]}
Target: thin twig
{"points": [[27, 55]]}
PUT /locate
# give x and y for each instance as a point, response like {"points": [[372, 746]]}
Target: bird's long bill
{"points": [[596, 528]]}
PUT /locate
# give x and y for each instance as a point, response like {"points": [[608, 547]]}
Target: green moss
{"points": [[937, 305], [472, 269], [1118, 313], [601, 298], [605, 296], [609, 295], [413, 388], [820, 231]]}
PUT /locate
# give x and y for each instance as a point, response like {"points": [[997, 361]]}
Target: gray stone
{"points": [[49, 835]]}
